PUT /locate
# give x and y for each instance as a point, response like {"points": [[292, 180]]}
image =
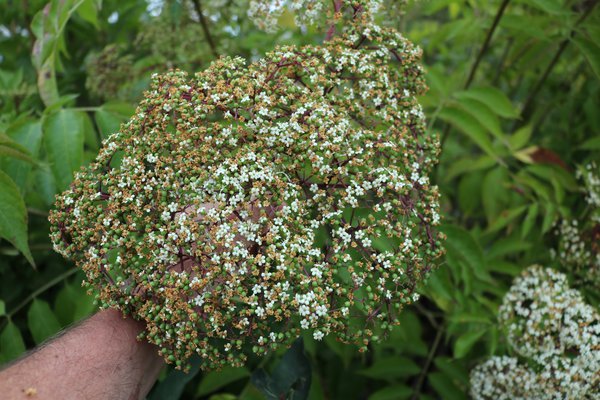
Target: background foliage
{"points": [[514, 94]]}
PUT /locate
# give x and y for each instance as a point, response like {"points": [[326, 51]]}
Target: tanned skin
{"points": [[99, 358]]}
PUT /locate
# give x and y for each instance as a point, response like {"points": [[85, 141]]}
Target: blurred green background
{"points": [[514, 95]]}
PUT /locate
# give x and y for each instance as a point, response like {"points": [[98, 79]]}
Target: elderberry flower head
{"points": [[251, 202]]}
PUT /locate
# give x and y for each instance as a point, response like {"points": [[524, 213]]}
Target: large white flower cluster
{"points": [[252, 202], [556, 337]]}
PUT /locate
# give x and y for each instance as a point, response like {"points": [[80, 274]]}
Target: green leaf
{"points": [[72, 304], [530, 219], [468, 125], [11, 343], [505, 218], [88, 10], [41, 321], [591, 51], [63, 139], [465, 342], [391, 367], [511, 245], [591, 144], [392, 392], [10, 148], [440, 289], [494, 98], [521, 137], [13, 216], [2, 308], [174, 384], [28, 134], [548, 6], [549, 217], [453, 369], [111, 115], [468, 185], [468, 164], [48, 26], [445, 388], [494, 193], [215, 380], [45, 186], [291, 378], [461, 244], [486, 117], [463, 317], [538, 187]]}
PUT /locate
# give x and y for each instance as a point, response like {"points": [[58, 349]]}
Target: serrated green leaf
{"points": [[445, 388], [467, 186], [550, 215], [511, 245], [504, 218], [393, 392], [391, 367], [591, 51], [530, 219], [468, 125], [28, 134], [11, 343], [13, 216], [591, 144], [494, 194], [41, 321], [111, 115], [466, 341], [468, 164], [538, 187], [548, 6], [461, 244], [173, 385], [452, 369], [291, 377], [494, 98], [10, 148], [521, 137], [72, 304], [215, 380], [63, 139], [465, 316], [486, 117], [88, 10], [440, 289]]}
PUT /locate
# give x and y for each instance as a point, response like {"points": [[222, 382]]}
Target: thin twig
{"points": [[486, 43], [209, 39], [484, 47], [430, 356], [36, 211], [41, 290], [561, 48]]}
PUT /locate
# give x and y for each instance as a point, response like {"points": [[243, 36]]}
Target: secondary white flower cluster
{"points": [[265, 13], [555, 333], [579, 239], [591, 180]]}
